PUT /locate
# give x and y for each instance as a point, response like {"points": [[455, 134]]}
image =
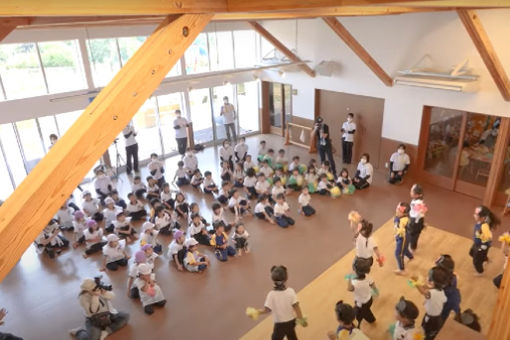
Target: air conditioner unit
{"points": [[440, 84]]}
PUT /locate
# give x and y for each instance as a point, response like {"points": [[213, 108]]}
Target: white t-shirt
{"points": [[165, 196], [362, 290], [366, 170], [293, 165], [322, 185], [65, 217], [90, 207], [281, 303], [399, 161], [232, 202], [121, 226], [365, 247], [208, 181], [434, 305], [280, 209], [154, 188], [161, 222], [138, 186], [277, 190], [195, 229], [180, 173], [219, 217], [405, 333], [259, 208], [181, 122], [348, 137], [156, 165], [113, 254], [250, 182], [267, 171], [415, 213], [102, 184], [190, 163], [147, 299], [226, 153], [262, 187], [110, 215], [94, 235], [138, 206], [131, 140], [241, 149], [304, 200], [173, 249], [248, 165], [228, 111]]}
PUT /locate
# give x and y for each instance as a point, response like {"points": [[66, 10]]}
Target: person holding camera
{"points": [[131, 148], [101, 318], [321, 133]]}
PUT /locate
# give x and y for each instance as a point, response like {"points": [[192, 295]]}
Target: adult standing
{"points": [[228, 112], [131, 148], [348, 130], [181, 134], [321, 133]]}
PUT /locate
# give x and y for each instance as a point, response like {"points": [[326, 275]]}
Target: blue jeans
{"points": [[90, 332], [402, 250], [223, 254]]}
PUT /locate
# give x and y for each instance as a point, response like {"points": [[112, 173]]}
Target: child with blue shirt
{"points": [[401, 223], [219, 241]]}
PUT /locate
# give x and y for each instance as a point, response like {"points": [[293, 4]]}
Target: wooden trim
{"points": [[484, 46], [498, 162], [469, 189], [265, 121], [191, 136], [460, 144], [35, 201], [317, 104], [281, 47], [356, 47], [424, 140], [500, 327]]}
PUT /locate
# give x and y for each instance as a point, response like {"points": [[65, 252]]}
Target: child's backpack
{"points": [[181, 254]]}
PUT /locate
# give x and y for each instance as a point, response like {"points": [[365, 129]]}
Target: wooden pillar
{"points": [[265, 121], [191, 136], [498, 162], [500, 327], [27, 211]]}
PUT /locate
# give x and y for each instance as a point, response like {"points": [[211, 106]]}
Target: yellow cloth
{"points": [[400, 229], [252, 313], [485, 233], [335, 191], [505, 238]]}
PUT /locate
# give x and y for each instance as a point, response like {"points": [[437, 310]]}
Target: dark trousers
{"points": [[182, 181], [452, 304], [284, 329], [223, 254], [308, 210], [497, 280], [90, 332], [325, 151], [431, 326], [364, 312], [415, 228], [132, 153], [396, 177], [115, 265], [96, 247], [402, 250], [253, 192], [347, 151], [361, 183], [284, 221], [138, 215], [228, 128], [149, 309], [6, 336], [479, 255], [182, 143]]}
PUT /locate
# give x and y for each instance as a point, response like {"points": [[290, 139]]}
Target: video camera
{"points": [[101, 285]]}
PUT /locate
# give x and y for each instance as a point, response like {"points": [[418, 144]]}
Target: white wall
{"points": [[396, 42]]}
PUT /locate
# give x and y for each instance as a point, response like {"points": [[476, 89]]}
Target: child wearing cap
{"points": [[346, 330], [208, 184], [102, 184], [240, 238], [50, 240], [114, 253], [406, 314], [135, 208], [263, 209], [93, 238], [281, 211], [124, 229], [219, 241], [180, 177], [150, 255], [363, 288], [304, 202], [156, 168], [435, 299], [139, 259], [175, 247], [90, 205], [150, 292], [283, 304], [110, 214], [194, 261], [64, 217], [150, 236], [79, 225]]}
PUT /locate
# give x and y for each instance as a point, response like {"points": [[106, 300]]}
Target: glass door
{"points": [[200, 110]]}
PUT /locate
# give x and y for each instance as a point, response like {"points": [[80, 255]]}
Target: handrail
{"points": [[311, 147]]}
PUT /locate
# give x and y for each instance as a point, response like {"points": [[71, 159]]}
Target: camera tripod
{"points": [[118, 160]]}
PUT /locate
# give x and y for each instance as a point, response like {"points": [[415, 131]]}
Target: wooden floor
{"points": [[318, 298]]}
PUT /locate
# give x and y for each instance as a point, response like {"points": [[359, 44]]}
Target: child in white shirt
{"points": [[304, 202], [406, 314], [194, 261], [241, 150], [281, 210], [266, 169], [138, 188], [226, 172], [102, 184], [180, 177], [208, 183], [64, 217], [50, 240], [238, 175], [323, 187], [175, 247], [263, 209], [90, 205], [150, 293], [114, 253], [163, 221], [166, 196], [249, 183], [110, 213], [197, 179], [277, 188], [227, 153], [124, 229], [238, 204], [150, 236], [156, 168], [135, 209], [218, 216], [190, 163], [152, 188], [240, 238], [197, 230], [296, 180], [363, 288], [262, 187], [366, 247], [181, 206], [224, 193], [262, 151], [248, 163], [93, 236], [281, 161], [79, 225]]}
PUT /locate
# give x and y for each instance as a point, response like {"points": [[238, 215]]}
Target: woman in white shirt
{"points": [[364, 173], [399, 163]]}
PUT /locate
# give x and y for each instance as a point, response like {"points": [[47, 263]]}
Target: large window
{"points": [[200, 109], [6, 187], [30, 141], [248, 106], [128, 46], [167, 105], [21, 71], [245, 48], [197, 58], [221, 50], [12, 153], [146, 127], [104, 59], [48, 126], [62, 65]]}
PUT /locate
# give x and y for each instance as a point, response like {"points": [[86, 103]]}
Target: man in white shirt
{"points": [[181, 133], [348, 130], [131, 148], [228, 112], [399, 163]]}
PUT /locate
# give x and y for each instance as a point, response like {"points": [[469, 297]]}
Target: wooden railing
{"points": [[307, 142], [500, 327]]}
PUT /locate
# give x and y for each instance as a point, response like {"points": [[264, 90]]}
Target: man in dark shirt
{"points": [[321, 132]]}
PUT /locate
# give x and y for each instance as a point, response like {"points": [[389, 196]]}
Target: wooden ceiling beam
{"points": [[281, 47], [484, 46], [356, 47], [35, 201]]}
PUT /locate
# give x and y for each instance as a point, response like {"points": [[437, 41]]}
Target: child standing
{"points": [[400, 224], [114, 254], [417, 215], [241, 150], [406, 314], [180, 177], [362, 286], [435, 299], [281, 210], [304, 203], [282, 302], [240, 238], [156, 168], [219, 241], [227, 154], [482, 237], [264, 210], [450, 289], [365, 244], [209, 185]]}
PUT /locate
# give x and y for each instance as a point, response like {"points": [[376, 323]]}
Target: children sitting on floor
{"points": [[102, 184], [262, 186], [304, 203], [135, 209], [181, 206], [265, 169], [311, 179], [118, 201], [296, 180], [163, 221], [150, 293], [197, 179], [150, 236], [218, 215], [281, 161], [152, 188], [50, 240], [238, 175], [263, 209], [226, 153], [138, 260], [281, 211], [249, 164], [250, 183], [194, 261], [79, 225], [166, 196], [219, 241], [190, 162], [139, 188], [175, 247], [238, 204], [277, 188], [90, 205], [124, 229], [93, 237], [64, 217], [197, 230], [110, 214], [156, 168], [240, 238], [224, 193], [114, 253], [344, 182], [180, 177], [208, 184]]}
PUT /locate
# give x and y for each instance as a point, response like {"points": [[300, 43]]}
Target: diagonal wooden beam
{"points": [[356, 47], [483, 44], [49, 184], [281, 47], [7, 25]]}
